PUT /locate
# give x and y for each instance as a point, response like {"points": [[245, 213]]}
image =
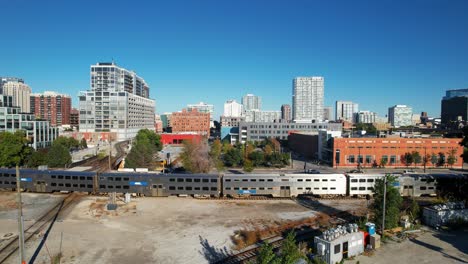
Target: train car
{"points": [[69, 181], [284, 185], [416, 185], [362, 185], [151, 184], [8, 179]]}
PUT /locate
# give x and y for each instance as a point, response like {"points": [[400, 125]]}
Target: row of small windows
{"points": [[189, 188], [61, 177], [362, 180], [270, 188], [362, 188], [53, 184], [8, 175], [190, 180], [7, 182], [114, 179], [422, 188], [270, 180], [126, 187]]}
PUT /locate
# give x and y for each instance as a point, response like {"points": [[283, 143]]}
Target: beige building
{"points": [[21, 94]]}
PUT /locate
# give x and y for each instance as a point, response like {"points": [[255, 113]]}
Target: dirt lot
{"points": [[157, 230]]}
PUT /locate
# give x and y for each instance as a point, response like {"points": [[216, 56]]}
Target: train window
{"points": [[214, 180], [308, 188], [75, 185], [82, 178], [188, 180], [89, 186], [171, 188], [13, 182], [118, 187], [284, 179], [126, 179], [261, 188], [430, 180], [228, 180], [270, 180], [430, 188], [353, 180], [89, 178], [196, 180], [60, 176], [370, 180], [13, 175], [214, 188], [353, 188], [53, 184], [180, 179], [102, 186], [197, 188], [1, 182], [236, 188], [227, 188], [299, 188], [270, 188], [110, 178], [205, 180], [126, 187], [61, 184], [155, 186], [411, 186], [82, 186], [423, 180], [7, 182], [253, 180], [324, 188], [261, 180], [205, 188], [324, 180], [244, 180], [245, 188], [310, 180], [188, 188], [74, 177], [110, 187], [53, 177], [333, 180], [172, 180], [299, 180], [332, 188], [180, 188], [118, 179], [405, 187], [102, 178], [362, 188], [370, 188], [316, 188], [67, 177], [316, 180], [67, 185], [422, 188], [362, 180]]}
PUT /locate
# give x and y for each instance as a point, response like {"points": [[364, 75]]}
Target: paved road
{"points": [[93, 150]]}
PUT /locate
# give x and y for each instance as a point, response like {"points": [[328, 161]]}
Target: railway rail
{"points": [[42, 222]]}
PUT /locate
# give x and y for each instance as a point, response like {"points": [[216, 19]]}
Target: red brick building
{"points": [[193, 121], [348, 151], [179, 138], [52, 107]]}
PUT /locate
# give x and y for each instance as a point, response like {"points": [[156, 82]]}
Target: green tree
{"points": [[196, 156], [143, 153], [37, 158], [58, 156], [426, 159], [215, 155], [248, 165], [383, 162], [290, 252], [434, 159], [83, 143], [452, 158], [414, 210], [266, 255], [68, 142], [232, 157], [407, 159], [14, 149], [441, 159], [268, 150], [392, 204], [417, 159], [257, 158]]}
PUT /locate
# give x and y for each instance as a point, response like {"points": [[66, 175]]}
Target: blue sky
{"points": [[376, 53]]}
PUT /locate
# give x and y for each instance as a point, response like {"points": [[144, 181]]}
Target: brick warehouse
{"points": [[192, 121], [346, 151]]}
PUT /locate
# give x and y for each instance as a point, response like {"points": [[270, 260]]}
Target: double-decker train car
{"points": [[416, 185], [362, 185]]}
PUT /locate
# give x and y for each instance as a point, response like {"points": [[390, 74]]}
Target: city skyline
{"points": [[209, 54]]}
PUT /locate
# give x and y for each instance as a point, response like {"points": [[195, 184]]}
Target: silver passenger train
{"points": [[211, 185]]}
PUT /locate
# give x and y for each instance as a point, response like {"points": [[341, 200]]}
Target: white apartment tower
{"points": [[19, 91], [233, 109], [308, 99], [118, 101], [400, 115], [251, 102], [345, 110]]}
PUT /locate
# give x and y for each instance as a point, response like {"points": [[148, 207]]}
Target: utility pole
{"points": [[384, 198], [110, 151], [20, 216], [425, 160]]}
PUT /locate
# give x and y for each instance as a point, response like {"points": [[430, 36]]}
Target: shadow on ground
{"points": [[211, 253]]}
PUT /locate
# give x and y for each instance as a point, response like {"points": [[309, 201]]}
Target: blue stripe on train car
{"points": [[26, 179], [396, 184], [135, 183], [247, 192]]}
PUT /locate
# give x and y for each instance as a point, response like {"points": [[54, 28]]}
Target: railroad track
{"points": [[12, 245]]}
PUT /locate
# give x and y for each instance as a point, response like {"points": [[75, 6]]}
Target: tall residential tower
{"points": [[307, 99]]}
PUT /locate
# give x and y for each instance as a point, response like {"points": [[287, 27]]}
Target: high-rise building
{"points": [[456, 93], [251, 102], [454, 109], [118, 102], [286, 112], [52, 107], [191, 122], [262, 116], [307, 99], [327, 113], [203, 108], [345, 110], [400, 115], [74, 117], [366, 117], [166, 120], [233, 109], [19, 91]]}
